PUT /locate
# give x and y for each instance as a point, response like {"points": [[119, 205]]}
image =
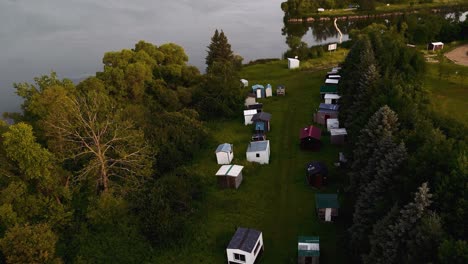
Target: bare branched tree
{"points": [[90, 129]]}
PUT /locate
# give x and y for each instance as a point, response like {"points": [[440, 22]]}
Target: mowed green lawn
{"points": [[274, 198], [449, 94]]}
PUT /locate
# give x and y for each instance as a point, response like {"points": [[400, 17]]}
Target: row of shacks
{"points": [[247, 243], [258, 150]]}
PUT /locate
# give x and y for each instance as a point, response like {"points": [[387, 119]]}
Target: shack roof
{"points": [[225, 147], [310, 131], [229, 170], [244, 239], [323, 200], [292, 59], [332, 96], [308, 246], [330, 107], [324, 89], [332, 81], [262, 116], [316, 167], [257, 86], [437, 43], [250, 112], [256, 146], [338, 131]]}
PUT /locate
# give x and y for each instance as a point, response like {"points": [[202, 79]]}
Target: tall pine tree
{"points": [[219, 50], [374, 200], [384, 123], [388, 243]]}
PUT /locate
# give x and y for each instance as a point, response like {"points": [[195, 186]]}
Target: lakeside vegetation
{"points": [[308, 8]]}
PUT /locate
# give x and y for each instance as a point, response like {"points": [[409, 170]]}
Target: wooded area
{"points": [[408, 171], [94, 172]]}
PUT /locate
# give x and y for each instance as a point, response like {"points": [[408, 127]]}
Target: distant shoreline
{"points": [[345, 14]]}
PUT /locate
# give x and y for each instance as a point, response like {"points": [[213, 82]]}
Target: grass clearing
{"points": [[449, 91], [274, 198]]}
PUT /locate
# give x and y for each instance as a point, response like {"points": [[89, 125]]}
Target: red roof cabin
{"points": [[310, 138]]}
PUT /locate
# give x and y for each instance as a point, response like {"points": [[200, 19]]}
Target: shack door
{"points": [[328, 214]]}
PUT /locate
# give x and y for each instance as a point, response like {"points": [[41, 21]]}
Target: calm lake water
{"points": [[70, 37]]}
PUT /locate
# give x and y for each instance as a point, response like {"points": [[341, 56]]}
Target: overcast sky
{"points": [[71, 36]]}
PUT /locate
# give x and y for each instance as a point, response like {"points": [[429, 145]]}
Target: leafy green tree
{"points": [[219, 95], [29, 244], [177, 136], [34, 188], [164, 207], [110, 234], [453, 252]]}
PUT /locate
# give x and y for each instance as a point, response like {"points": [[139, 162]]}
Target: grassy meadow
{"points": [[447, 84], [274, 198]]}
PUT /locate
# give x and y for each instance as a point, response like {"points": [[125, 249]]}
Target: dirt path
{"points": [[459, 55]]}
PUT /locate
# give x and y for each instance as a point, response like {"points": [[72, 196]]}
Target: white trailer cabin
{"points": [[331, 98], [293, 63], [245, 246], [224, 153], [259, 151], [332, 81], [332, 123]]}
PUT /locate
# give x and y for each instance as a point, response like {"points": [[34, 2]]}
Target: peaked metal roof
{"points": [[330, 107], [256, 146], [229, 170], [308, 246], [328, 89], [310, 131], [262, 116], [225, 147], [244, 239], [323, 200]]}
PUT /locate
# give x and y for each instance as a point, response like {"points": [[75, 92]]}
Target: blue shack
{"points": [[259, 90], [261, 122]]}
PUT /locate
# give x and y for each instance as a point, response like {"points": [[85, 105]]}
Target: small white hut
{"points": [[293, 63], [332, 123], [268, 91], [259, 151], [245, 246], [338, 136], [331, 98], [248, 114], [244, 82], [224, 153], [229, 176], [250, 100]]}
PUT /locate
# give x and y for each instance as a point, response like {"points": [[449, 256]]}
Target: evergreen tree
{"points": [[219, 50], [361, 52], [387, 244], [384, 123], [373, 199]]}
